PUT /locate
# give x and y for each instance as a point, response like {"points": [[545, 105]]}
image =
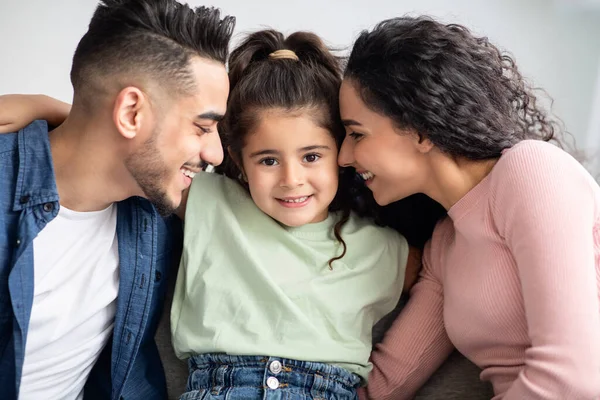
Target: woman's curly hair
{"points": [[447, 85], [451, 87]]}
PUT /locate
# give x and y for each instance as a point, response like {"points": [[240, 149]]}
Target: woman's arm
{"points": [[416, 344], [19, 110], [414, 263], [547, 209]]}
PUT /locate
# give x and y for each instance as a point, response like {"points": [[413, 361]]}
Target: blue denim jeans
{"points": [[224, 377]]}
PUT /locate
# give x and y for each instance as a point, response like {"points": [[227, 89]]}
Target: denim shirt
{"points": [[129, 367]]}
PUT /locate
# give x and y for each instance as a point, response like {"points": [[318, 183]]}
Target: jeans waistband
{"points": [[220, 371]]}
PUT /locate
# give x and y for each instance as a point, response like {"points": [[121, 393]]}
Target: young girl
{"points": [[280, 281]]}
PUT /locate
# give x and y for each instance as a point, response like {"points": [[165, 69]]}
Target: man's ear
{"points": [[129, 111], [237, 162]]}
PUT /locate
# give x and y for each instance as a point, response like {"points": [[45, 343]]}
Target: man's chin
{"points": [[164, 205], [164, 210]]}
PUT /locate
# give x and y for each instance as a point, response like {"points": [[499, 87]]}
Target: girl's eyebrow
{"points": [[315, 147], [271, 152], [264, 153]]}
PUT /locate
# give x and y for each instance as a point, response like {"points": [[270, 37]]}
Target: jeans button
{"points": [[275, 367], [272, 382]]}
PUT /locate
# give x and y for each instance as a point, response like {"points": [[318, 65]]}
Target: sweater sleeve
{"points": [[546, 209], [416, 344]]}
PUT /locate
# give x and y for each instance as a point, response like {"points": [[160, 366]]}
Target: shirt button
{"points": [[48, 207], [273, 382], [24, 199], [275, 367], [157, 276]]}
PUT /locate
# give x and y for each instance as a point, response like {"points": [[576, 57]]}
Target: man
{"points": [[84, 250]]}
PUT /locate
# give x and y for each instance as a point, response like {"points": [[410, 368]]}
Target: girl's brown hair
{"points": [[308, 83]]}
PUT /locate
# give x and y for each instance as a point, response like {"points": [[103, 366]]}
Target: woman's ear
{"points": [[422, 143]]}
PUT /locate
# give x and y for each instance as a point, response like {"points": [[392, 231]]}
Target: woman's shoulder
{"points": [[534, 164], [442, 233], [435, 248], [534, 155]]}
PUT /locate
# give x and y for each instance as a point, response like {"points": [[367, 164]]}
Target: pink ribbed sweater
{"points": [[511, 279]]}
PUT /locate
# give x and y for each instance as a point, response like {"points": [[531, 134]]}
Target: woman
{"points": [[511, 276]]}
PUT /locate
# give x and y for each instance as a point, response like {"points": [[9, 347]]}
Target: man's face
{"points": [[183, 136]]}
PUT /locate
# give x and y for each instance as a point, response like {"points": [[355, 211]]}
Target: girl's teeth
{"points": [[298, 200]]}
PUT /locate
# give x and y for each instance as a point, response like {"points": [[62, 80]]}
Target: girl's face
{"points": [[393, 163], [291, 166]]}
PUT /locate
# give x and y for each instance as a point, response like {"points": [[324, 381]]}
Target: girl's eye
{"points": [[269, 162], [310, 158], [355, 135]]}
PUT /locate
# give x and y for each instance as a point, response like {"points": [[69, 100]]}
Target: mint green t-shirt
{"points": [[249, 286]]}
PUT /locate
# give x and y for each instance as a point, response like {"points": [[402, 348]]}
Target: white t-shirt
{"points": [[76, 278]]}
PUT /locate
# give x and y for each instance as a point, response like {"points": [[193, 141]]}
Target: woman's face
{"points": [[392, 162]]}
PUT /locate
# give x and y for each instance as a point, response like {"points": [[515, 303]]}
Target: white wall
{"points": [[556, 42], [593, 133]]}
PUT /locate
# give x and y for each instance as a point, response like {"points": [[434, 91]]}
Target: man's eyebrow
{"points": [[349, 122], [215, 116]]}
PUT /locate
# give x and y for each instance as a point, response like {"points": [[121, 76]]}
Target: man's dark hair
{"points": [[152, 39]]}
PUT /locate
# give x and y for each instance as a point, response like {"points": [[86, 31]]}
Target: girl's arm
{"points": [[19, 110], [547, 209]]}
